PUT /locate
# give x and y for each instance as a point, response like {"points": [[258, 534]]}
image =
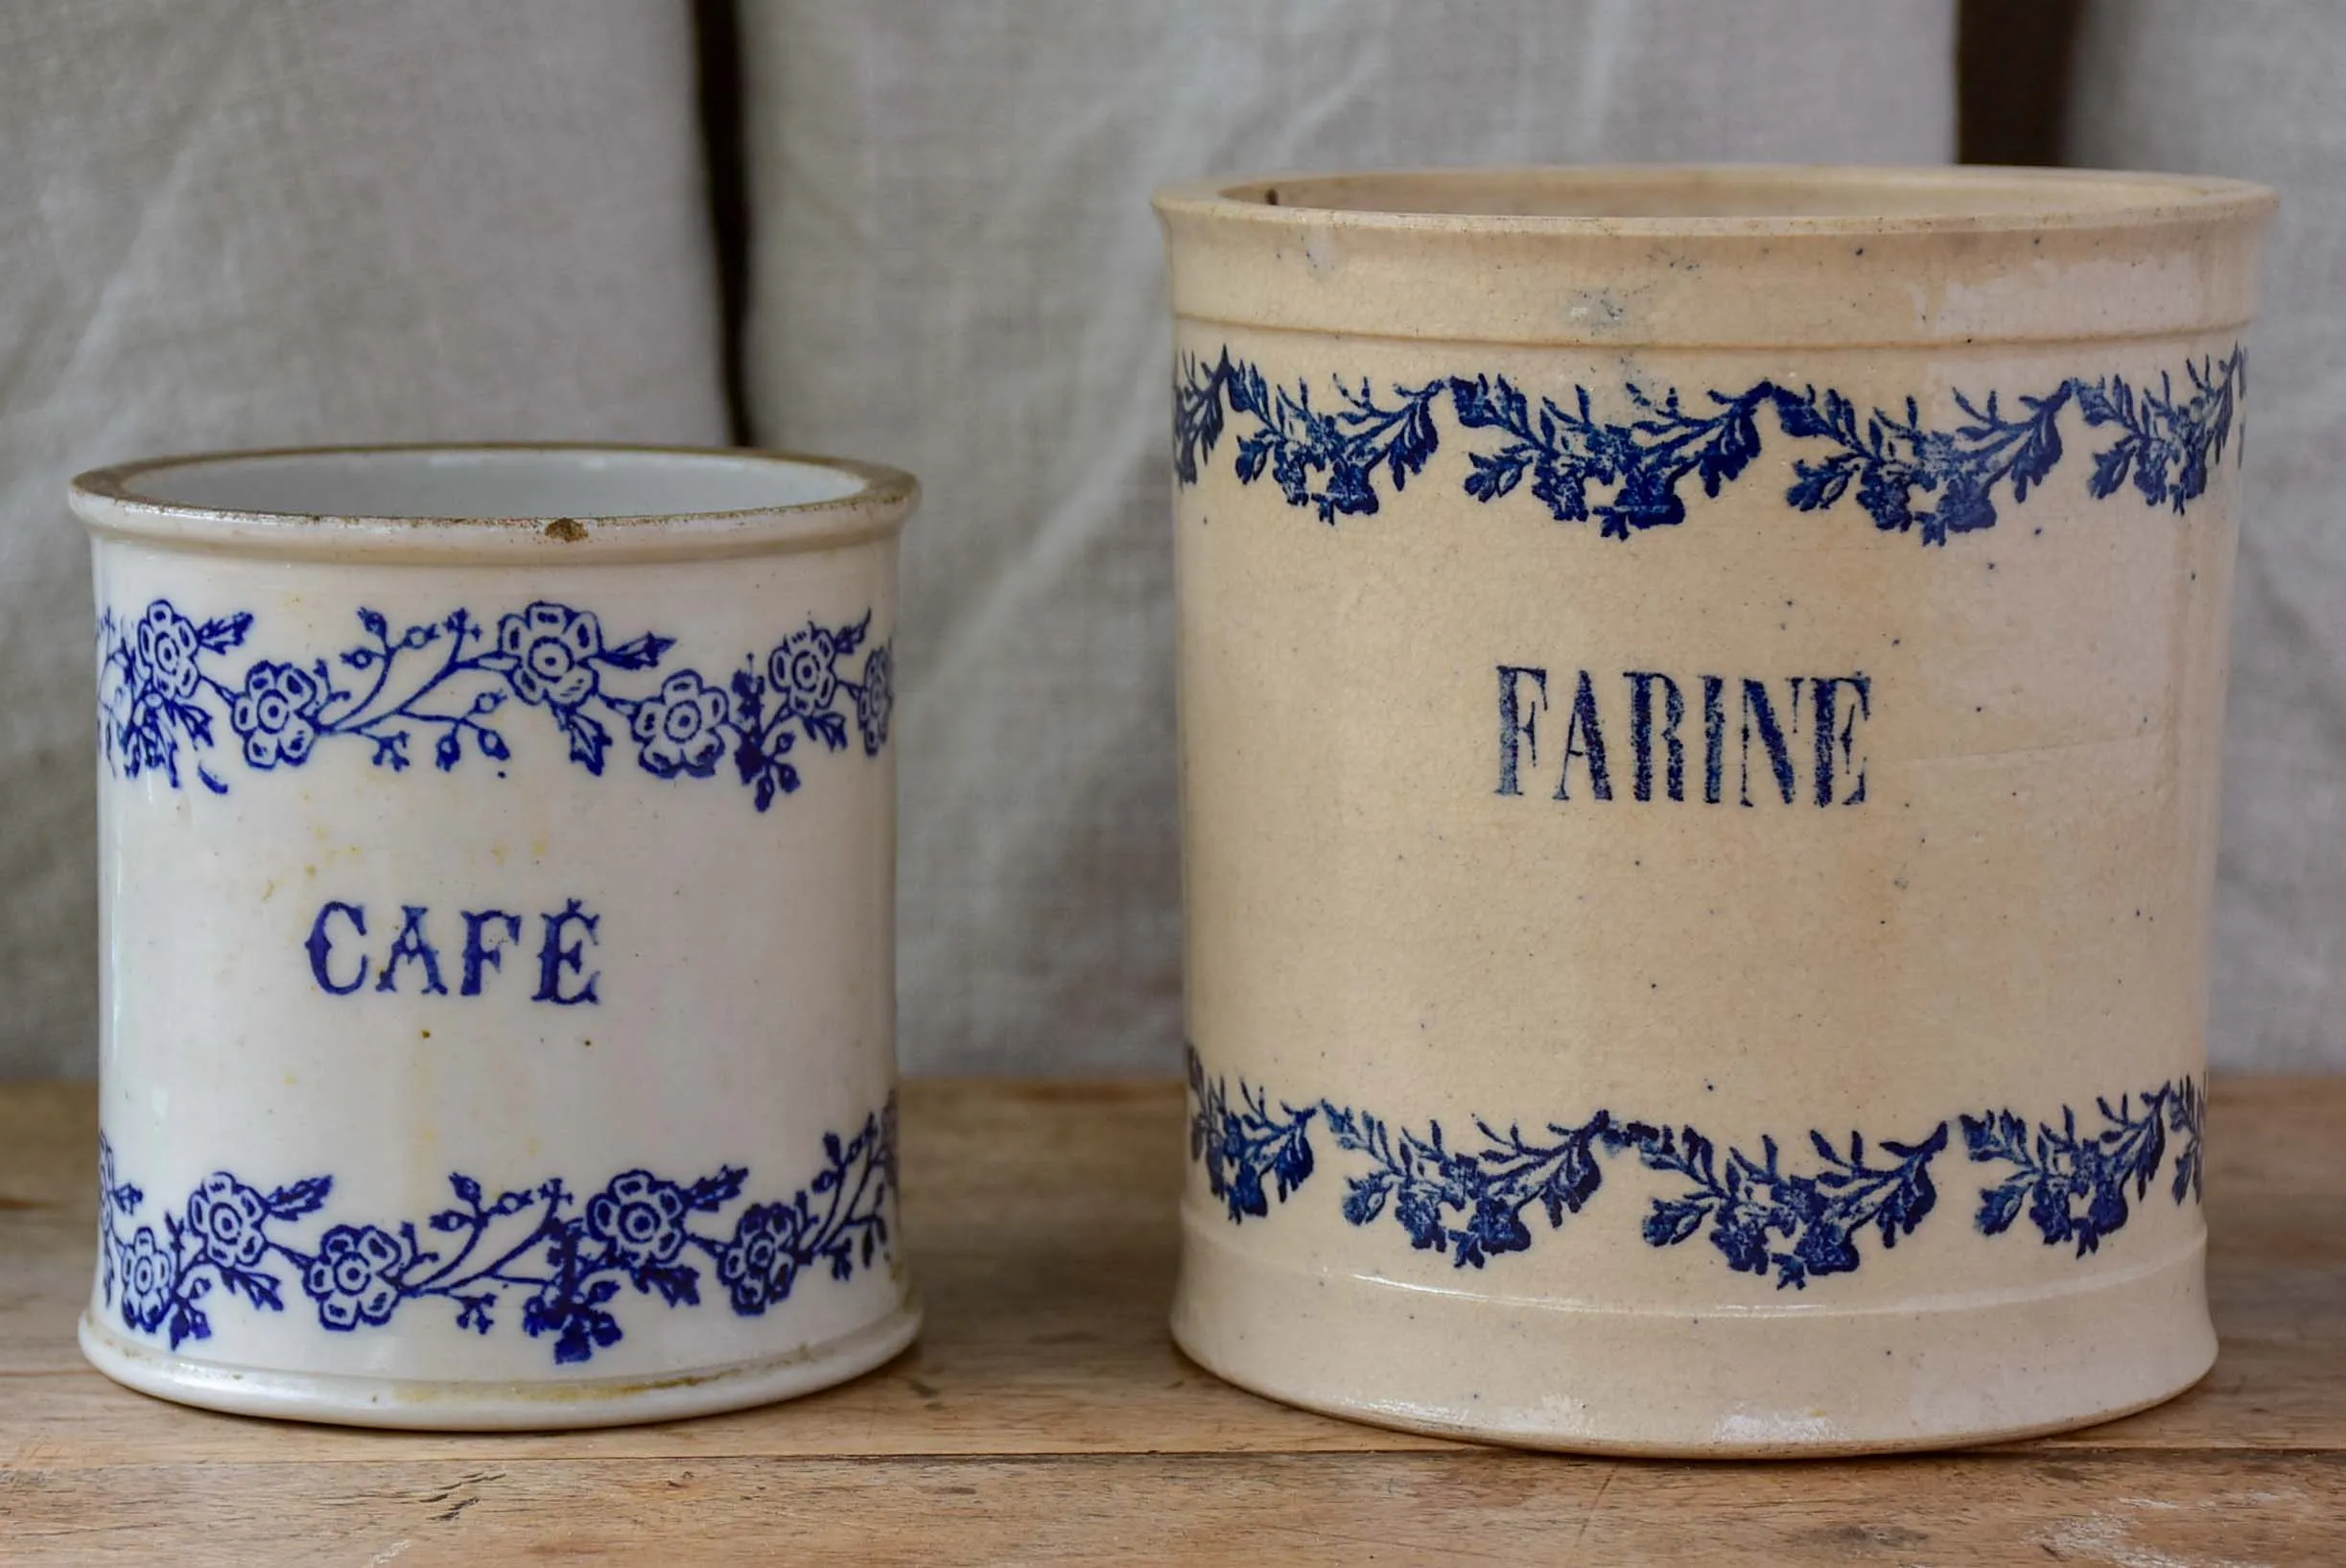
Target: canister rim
{"points": [[1936, 199], [1720, 256], [838, 502]]}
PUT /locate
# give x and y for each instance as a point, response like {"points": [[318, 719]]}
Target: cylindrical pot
{"points": [[1700, 692], [497, 848]]}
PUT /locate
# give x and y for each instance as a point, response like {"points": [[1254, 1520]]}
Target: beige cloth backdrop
{"points": [[406, 218], [2259, 91], [267, 222], [957, 270]]}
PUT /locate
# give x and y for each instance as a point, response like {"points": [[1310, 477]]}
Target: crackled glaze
{"points": [[474, 1055], [1661, 946]]}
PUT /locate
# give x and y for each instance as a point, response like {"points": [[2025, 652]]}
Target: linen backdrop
{"points": [[2255, 90], [957, 268], [262, 223], [270, 222]]}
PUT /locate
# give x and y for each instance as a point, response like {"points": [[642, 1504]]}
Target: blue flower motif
{"points": [[563, 1260], [164, 652], [276, 714], [2076, 1199], [683, 727], [434, 689], [1764, 1214], [875, 698], [553, 648], [149, 1277], [1418, 1209], [226, 1217], [1824, 1248], [1741, 1236], [1238, 1147], [355, 1277], [1908, 477], [758, 1266], [802, 669], [2073, 1182], [1497, 1225], [641, 1217]]}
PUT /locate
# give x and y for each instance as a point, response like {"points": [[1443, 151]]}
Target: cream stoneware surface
{"points": [[1701, 695], [497, 852]]}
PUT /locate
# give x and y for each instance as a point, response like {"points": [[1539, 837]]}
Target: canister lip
{"points": [[860, 501], [1917, 200], [1719, 256]]}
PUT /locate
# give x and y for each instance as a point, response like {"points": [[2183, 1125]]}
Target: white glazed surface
{"points": [[741, 960], [1528, 1105]]}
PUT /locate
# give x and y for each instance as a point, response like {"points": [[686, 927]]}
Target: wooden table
{"points": [[1046, 1418]]}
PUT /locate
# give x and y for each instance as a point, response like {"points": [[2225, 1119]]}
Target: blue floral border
{"points": [[161, 689], [564, 1254], [1469, 1198], [1909, 477]]}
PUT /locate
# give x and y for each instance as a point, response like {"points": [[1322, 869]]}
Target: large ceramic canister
{"points": [[1701, 698], [497, 851]]}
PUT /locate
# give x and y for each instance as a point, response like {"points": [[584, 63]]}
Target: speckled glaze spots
{"points": [[1616, 796]]}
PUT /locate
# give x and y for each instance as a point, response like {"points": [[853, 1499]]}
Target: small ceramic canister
{"points": [[497, 850], [1701, 695]]}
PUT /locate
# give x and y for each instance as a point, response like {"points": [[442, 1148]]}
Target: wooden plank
{"points": [[2276, 1151], [1041, 1223], [1039, 1219], [2139, 1509]]}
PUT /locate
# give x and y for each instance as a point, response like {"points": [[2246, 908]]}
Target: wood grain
{"points": [[1303, 1508], [1045, 1416]]}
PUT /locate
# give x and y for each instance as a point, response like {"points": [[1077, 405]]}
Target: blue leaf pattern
{"points": [[1471, 1199], [2073, 1184], [1626, 471], [1239, 1148]]}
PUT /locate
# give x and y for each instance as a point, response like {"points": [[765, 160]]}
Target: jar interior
{"points": [[479, 483]]}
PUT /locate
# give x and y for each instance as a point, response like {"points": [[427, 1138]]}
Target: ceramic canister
{"points": [[497, 851], [1700, 694]]}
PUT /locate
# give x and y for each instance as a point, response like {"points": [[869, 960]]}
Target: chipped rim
{"points": [[112, 503]]}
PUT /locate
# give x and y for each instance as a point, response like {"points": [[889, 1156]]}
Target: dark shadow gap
{"points": [[717, 30], [2012, 79]]}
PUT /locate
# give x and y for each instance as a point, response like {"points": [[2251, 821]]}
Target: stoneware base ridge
{"points": [[1704, 1385], [494, 1406]]}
